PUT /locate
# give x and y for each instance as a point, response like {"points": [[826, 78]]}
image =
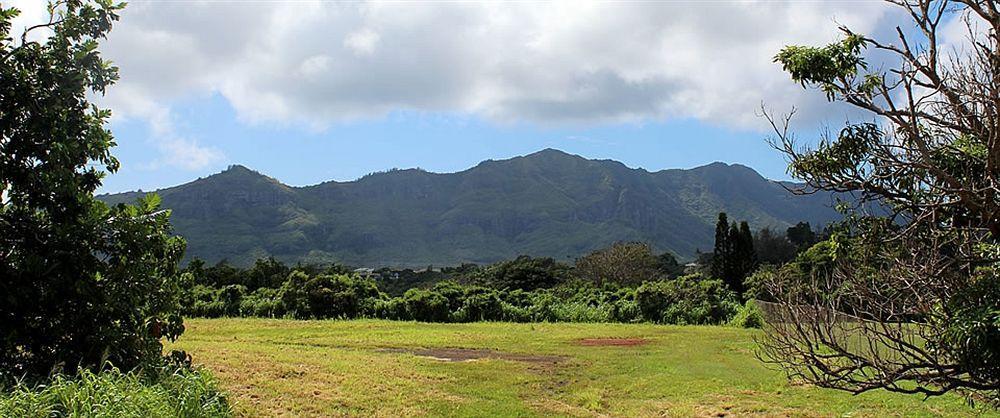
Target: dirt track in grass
{"points": [[471, 354]]}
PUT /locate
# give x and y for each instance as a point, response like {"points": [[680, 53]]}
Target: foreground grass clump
{"points": [[391, 368], [170, 392]]}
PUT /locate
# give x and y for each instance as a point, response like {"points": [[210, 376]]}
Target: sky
{"points": [[310, 91]]}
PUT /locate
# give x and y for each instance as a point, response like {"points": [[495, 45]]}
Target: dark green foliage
{"points": [[266, 272], [801, 235], [690, 299], [425, 305], [328, 296], [230, 297], [81, 283], [548, 204], [734, 257], [745, 258], [972, 332], [350, 296], [772, 248], [480, 304], [524, 272], [723, 247], [668, 265]]}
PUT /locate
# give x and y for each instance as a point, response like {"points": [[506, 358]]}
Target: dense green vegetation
{"points": [[625, 282], [549, 204]]}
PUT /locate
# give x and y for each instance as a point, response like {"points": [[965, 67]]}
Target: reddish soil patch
{"points": [[604, 342], [470, 354]]}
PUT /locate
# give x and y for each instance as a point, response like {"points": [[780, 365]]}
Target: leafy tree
{"points": [[80, 282], [221, 274], [266, 272], [772, 248], [690, 299], [917, 284], [328, 295], [293, 294], [668, 265], [621, 263], [426, 305], [525, 273], [801, 235]]}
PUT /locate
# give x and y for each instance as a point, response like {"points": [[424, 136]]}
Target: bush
{"points": [[264, 302], [748, 316], [426, 305], [392, 308], [690, 299], [480, 304], [159, 392], [230, 297], [328, 296], [524, 273]]}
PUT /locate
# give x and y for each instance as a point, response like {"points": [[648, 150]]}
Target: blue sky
{"points": [[435, 142], [311, 90]]}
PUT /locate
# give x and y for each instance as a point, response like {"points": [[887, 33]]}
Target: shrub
{"points": [[329, 296], [426, 305], [690, 299], [748, 316], [263, 302], [480, 304], [454, 292], [524, 273], [394, 308], [229, 298]]}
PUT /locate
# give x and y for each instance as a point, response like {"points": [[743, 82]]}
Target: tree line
{"points": [[624, 282]]}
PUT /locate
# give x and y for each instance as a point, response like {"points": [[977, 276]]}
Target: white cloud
{"points": [[318, 63], [185, 153], [147, 97], [362, 42]]}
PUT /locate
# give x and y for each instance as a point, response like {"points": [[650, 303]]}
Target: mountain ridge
{"points": [[549, 203]]}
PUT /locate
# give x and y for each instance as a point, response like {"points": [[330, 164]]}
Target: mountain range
{"points": [[548, 203]]}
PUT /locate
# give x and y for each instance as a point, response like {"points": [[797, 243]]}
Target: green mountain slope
{"points": [[548, 203]]}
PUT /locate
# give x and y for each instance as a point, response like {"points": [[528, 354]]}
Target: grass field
{"points": [[385, 368]]}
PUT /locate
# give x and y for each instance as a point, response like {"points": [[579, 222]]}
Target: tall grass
{"points": [[168, 392]]}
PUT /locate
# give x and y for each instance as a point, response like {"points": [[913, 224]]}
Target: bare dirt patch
{"points": [[612, 342], [472, 354]]}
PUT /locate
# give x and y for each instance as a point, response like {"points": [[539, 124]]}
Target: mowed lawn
{"points": [[386, 368]]}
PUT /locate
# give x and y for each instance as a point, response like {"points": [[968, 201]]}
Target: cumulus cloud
{"points": [[320, 63]]}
